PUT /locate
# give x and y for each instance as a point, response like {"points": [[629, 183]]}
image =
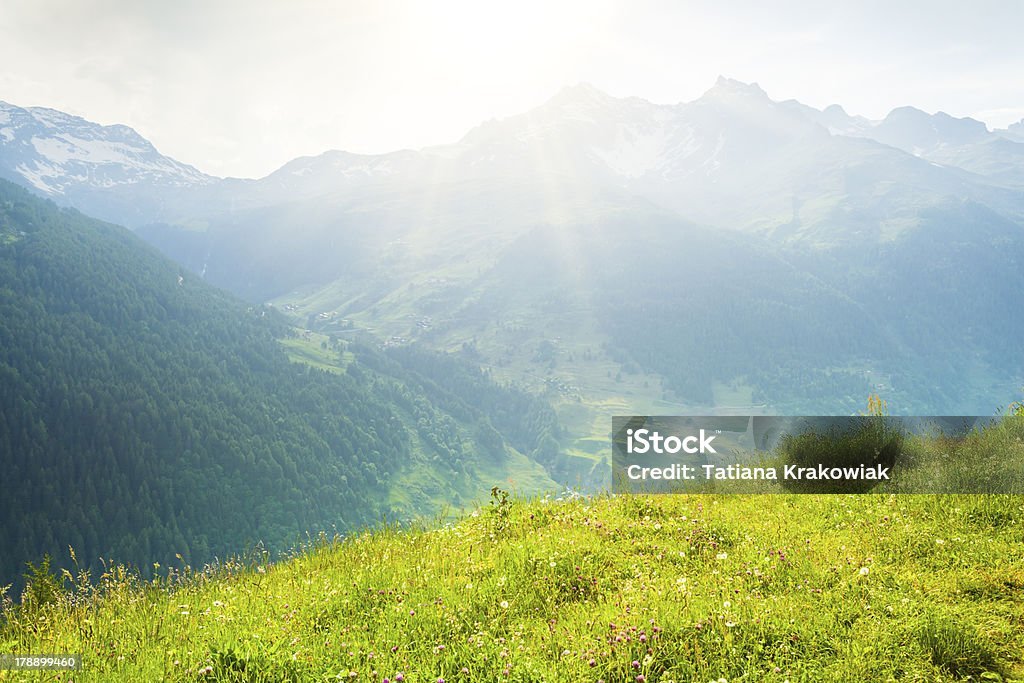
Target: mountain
{"points": [[963, 143], [1015, 131], [920, 133], [144, 413], [730, 253], [734, 158], [110, 169]]}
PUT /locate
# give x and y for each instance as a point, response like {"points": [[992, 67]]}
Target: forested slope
{"points": [[145, 414]]}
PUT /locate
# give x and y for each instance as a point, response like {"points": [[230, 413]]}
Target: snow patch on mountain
{"points": [[634, 151], [55, 152]]}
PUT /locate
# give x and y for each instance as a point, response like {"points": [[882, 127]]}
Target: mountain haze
{"points": [[733, 252]]}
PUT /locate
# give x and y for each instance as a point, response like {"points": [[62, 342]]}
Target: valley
{"points": [[489, 304]]}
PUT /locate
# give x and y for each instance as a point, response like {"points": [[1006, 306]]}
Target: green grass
{"points": [[701, 587], [315, 350]]}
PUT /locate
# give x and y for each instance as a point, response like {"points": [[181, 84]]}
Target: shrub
{"points": [[42, 586], [871, 441]]}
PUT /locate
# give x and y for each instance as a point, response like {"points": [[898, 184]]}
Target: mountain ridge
{"points": [[724, 87], [75, 143]]}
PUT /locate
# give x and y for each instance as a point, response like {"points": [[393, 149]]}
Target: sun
{"points": [[521, 42]]}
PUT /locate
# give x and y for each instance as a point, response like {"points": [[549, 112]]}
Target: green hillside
{"points": [[647, 588], [145, 414]]}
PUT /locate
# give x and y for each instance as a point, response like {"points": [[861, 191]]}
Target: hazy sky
{"points": [[240, 87]]}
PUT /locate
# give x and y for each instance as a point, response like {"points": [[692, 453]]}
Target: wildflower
{"points": [[399, 677], [864, 571], [721, 556], [592, 662], [939, 541], [635, 664], [504, 604]]}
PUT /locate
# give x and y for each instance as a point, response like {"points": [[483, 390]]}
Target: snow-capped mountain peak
{"points": [[581, 93], [57, 153], [731, 89], [710, 152]]}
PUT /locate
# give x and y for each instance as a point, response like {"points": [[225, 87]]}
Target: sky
{"points": [[238, 88]]}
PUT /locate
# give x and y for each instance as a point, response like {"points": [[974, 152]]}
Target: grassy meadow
{"points": [[615, 588]]}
